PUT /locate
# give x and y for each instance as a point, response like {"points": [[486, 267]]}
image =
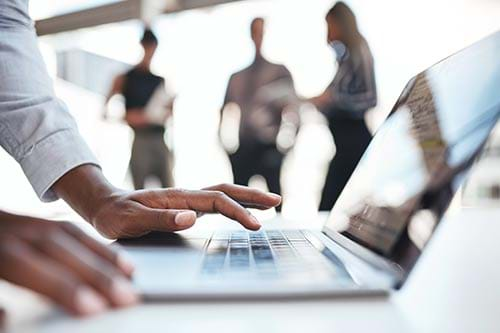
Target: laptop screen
{"points": [[420, 155]]}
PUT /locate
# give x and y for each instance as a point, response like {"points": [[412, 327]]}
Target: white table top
{"points": [[455, 287]]}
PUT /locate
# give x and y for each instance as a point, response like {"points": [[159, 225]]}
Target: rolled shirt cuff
{"points": [[53, 157]]}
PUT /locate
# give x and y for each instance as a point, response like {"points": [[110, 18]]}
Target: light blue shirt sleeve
{"points": [[35, 126]]}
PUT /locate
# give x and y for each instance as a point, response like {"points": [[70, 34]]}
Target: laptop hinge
{"points": [[371, 258]]}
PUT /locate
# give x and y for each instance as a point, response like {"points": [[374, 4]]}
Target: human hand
{"points": [[119, 214], [322, 100], [136, 118], [60, 261], [132, 214]]}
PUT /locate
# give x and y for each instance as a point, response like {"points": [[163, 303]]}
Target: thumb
{"points": [[185, 218], [167, 219]]}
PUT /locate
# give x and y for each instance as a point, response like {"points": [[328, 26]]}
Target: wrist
{"points": [[86, 190]]}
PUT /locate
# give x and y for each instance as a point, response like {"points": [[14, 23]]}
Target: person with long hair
{"points": [[346, 100]]}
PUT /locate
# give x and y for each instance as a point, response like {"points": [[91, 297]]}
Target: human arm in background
{"points": [[322, 100], [116, 88], [290, 117], [169, 108], [133, 117], [353, 88], [362, 94], [228, 100], [171, 98]]}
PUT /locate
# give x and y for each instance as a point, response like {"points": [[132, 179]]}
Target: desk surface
{"points": [[455, 287]]}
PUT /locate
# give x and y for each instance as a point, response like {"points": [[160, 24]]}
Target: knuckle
{"points": [[171, 195], [174, 191], [160, 217], [102, 274], [108, 231], [219, 195], [7, 242], [48, 227], [47, 240], [70, 228], [51, 233], [113, 227], [222, 187], [62, 291], [228, 186], [169, 191], [255, 194], [56, 234], [112, 252]]}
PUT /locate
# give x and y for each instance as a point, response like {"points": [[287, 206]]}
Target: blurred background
{"points": [[85, 44]]}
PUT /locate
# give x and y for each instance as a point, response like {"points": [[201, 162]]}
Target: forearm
{"points": [[136, 117], [85, 189], [167, 115], [322, 100]]}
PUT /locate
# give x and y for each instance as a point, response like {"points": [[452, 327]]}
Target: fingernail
{"points": [[125, 264], [122, 292], [255, 221], [89, 302], [275, 196], [185, 219]]}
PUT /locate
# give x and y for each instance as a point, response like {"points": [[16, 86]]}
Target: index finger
{"points": [[248, 197], [206, 202], [219, 202]]}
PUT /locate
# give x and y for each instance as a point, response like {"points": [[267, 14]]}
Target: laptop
{"points": [[382, 221]]}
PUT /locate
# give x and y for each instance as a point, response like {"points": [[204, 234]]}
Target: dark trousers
{"points": [[150, 158], [257, 159], [351, 138]]}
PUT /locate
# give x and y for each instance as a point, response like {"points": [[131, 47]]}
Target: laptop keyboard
{"points": [[272, 253]]}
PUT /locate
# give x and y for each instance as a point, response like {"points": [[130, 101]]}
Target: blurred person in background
{"points": [[57, 259], [148, 106], [346, 100], [265, 95]]}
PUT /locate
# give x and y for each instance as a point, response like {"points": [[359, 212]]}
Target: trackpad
{"points": [[164, 260]]}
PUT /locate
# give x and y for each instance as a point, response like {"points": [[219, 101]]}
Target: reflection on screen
{"points": [[418, 158]]}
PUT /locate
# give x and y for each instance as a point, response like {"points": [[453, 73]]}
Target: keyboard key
{"points": [[285, 254]]}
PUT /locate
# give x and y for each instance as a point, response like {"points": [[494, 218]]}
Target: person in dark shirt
{"points": [[264, 92], [150, 155], [346, 100]]}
